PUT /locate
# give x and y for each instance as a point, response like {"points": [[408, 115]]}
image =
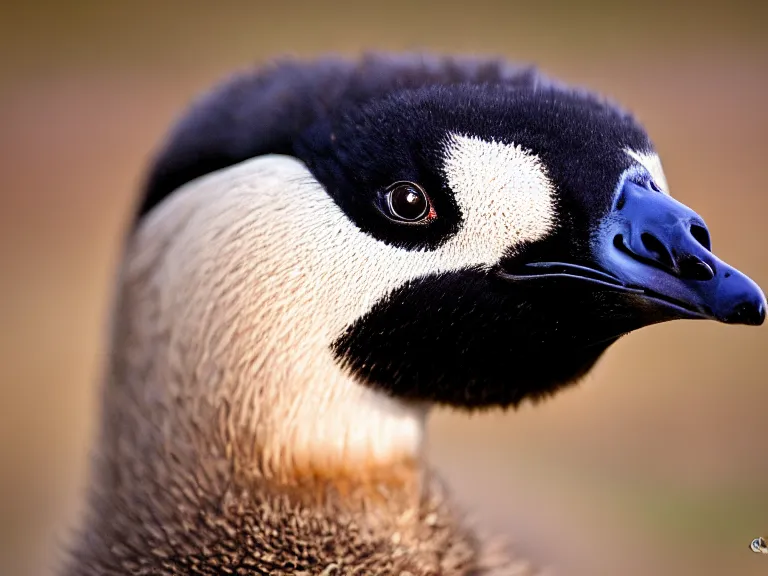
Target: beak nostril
{"points": [[655, 247], [691, 268], [701, 235], [653, 251]]}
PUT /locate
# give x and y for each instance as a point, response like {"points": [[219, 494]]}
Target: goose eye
{"points": [[406, 201]]}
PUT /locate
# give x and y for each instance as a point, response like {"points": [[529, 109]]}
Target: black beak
{"points": [[656, 251], [651, 242]]}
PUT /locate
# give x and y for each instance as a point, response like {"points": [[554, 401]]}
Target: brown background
{"points": [[657, 464]]}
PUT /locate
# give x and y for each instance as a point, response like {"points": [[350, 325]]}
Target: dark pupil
{"points": [[408, 203]]}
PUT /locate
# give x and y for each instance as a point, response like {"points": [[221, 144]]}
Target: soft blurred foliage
{"points": [[655, 464]]}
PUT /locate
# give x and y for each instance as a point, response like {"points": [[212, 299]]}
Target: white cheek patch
{"points": [[503, 191], [288, 271], [651, 162]]}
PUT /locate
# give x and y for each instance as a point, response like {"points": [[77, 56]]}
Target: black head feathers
{"points": [[265, 111]]}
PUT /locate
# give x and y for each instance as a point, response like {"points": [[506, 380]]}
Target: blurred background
{"points": [[656, 464]]}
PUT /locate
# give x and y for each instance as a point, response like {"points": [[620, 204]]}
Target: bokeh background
{"points": [[656, 464]]}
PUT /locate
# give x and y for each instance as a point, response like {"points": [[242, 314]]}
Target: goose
{"points": [[326, 249]]}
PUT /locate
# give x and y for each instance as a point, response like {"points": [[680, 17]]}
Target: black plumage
{"points": [[266, 110]]}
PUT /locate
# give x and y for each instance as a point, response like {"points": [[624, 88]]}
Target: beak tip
{"points": [[758, 316], [748, 313]]}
